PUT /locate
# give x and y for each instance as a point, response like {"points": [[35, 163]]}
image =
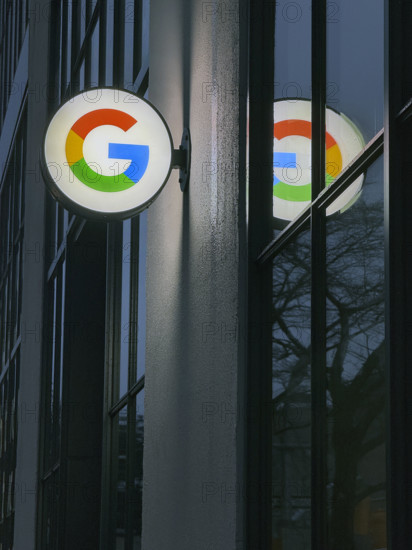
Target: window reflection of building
{"points": [[328, 473], [355, 378]]}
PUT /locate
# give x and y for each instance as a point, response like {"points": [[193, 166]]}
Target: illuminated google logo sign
{"points": [[107, 153], [137, 154], [292, 157]]}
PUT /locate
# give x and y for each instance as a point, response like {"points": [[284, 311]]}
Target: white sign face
{"points": [[107, 153], [292, 157]]}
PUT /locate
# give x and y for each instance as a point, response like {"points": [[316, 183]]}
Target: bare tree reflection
{"points": [[355, 383]]}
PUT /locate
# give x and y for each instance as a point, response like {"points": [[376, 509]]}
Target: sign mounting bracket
{"points": [[181, 159]]}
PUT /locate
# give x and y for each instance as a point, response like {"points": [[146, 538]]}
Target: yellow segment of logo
{"points": [[74, 148]]}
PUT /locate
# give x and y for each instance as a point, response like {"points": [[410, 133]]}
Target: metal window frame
{"points": [[260, 149], [398, 268]]}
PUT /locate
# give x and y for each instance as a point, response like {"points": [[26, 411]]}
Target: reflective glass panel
{"points": [[121, 479], [291, 397], [137, 479], [292, 111], [355, 370], [124, 333], [355, 63]]}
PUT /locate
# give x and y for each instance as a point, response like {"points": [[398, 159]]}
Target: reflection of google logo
{"points": [[138, 154], [107, 154], [292, 157], [288, 160]]}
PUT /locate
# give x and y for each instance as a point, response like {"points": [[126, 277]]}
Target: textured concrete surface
{"points": [[195, 288]]}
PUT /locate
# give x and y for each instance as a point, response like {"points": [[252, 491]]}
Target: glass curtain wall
{"points": [[13, 26], [96, 43], [327, 473], [11, 259]]}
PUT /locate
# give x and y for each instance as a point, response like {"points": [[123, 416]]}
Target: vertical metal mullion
{"points": [[318, 259], [131, 411], [259, 380], [132, 360], [134, 299], [318, 95], [397, 274], [109, 433]]}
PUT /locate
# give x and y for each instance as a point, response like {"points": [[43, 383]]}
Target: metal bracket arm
{"points": [[181, 159]]}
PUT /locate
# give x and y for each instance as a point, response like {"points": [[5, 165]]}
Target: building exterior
{"points": [[230, 368]]}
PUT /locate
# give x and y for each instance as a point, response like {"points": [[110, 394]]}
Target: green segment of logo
{"points": [[99, 182], [296, 193]]}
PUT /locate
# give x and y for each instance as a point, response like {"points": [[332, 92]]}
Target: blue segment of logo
{"points": [[138, 154], [283, 160]]}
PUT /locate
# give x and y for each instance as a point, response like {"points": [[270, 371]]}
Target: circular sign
{"points": [[292, 134], [107, 153]]}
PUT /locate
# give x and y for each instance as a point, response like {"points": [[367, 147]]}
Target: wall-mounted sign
{"points": [[292, 157], [107, 153]]}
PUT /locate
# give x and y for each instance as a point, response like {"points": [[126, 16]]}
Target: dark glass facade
{"points": [[12, 228], [92, 344], [324, 482], [328, 286]]}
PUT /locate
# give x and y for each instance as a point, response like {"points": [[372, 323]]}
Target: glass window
{"points": [[356, 370], [291, 396], [354, 62], [120, 434], [292, 111], [327, 470], [93, 69], [11, 284], [136, 489], [125, 325]]}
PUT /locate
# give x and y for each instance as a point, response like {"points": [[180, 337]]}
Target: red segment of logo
{"points": [[302, 128], [101, 117]]}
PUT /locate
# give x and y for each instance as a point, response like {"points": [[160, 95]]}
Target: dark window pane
{"points": [[129, 17], [355, 63], [139, 37], [137, 473], [67, 37], [120, 460], [291, 397], [355, 361], [50, 512], [292, 118], [94, 57], [124, 333]]}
